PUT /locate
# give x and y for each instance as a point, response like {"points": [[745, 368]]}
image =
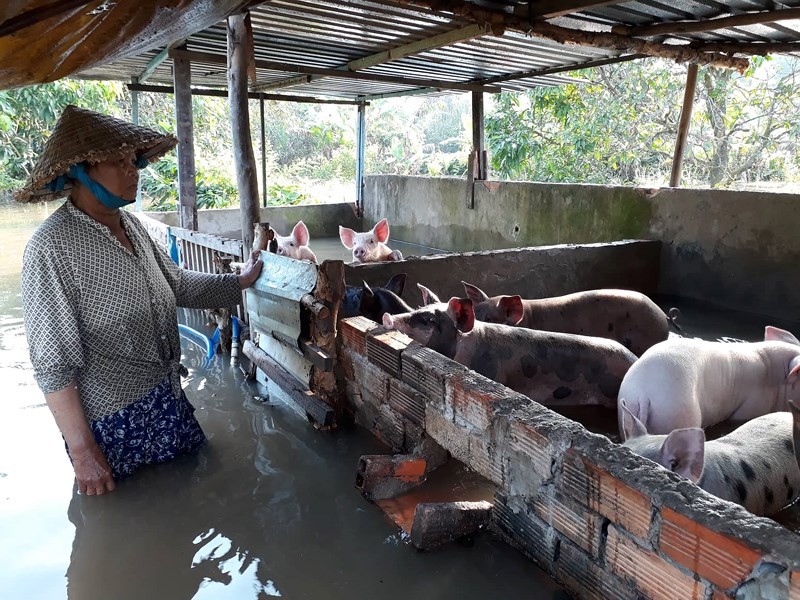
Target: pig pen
{"points": [[603, 522]]}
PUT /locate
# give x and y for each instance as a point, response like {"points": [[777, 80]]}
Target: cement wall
{"points": [[322, 220], [602, 521], [735, 249]]}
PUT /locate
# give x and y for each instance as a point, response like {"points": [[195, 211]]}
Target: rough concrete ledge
{"points": [[604, 522]]}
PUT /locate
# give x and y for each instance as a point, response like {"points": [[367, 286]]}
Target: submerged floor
{"points": [[267, 508]]}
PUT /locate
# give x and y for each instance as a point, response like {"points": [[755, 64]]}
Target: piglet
{"points": [[551, 368], [796, 414], [628, 317], [754, 465], [371, 245], [428, 296], [295, 245], [685, 382], [373, 302]]}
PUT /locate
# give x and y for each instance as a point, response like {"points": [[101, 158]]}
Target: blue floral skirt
{"points": [[155, 429]]}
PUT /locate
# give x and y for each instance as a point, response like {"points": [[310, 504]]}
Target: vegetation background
{"points": [[615, 125]]}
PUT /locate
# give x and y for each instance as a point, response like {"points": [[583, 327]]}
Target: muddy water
{"points": [[267, 508]]}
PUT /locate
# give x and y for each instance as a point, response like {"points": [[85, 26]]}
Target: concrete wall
{"points": [[735, 249], [322, 220]]}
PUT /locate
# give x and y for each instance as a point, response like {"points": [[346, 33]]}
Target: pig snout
{"points": [[359, 252], [388, 321]]}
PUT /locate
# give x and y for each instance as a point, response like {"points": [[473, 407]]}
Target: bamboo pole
{"points": [[683, 125], [243, 156]]}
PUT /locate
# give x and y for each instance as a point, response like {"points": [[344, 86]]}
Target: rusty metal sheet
{"points": [[42, 41]]}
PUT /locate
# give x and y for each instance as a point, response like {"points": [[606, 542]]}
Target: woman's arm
{"points": [[91, 467]]}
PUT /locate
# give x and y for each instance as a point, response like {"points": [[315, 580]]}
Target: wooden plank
{"points": [[216, 59], [317, 357], [316, 410], [549, 9], [167, 89], [243, 156], [215, 242], [187, 189], [683, 125], [701, 25]]}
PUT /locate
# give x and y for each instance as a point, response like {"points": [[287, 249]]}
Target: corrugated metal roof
{"points": [[309, 35]]}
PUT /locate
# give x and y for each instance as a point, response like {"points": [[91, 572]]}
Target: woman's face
{"points": [[118, 175]]}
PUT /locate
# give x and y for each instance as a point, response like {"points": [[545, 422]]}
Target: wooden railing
{"points": [[196, 250]]}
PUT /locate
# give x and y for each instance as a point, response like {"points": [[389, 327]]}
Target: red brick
{"points": [[473, 400], [577, 523], [720, 595], [384, 349], [794, 589], [725, 562], [524, 439], [587, 579], [353, 333], [371, 381], [600, 491], [654, 577], [407, 401]]}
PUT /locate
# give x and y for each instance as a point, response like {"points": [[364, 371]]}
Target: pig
{"points": [[685, 382], [428, 297], [295, 245], [628, 317], [371, 245], [549, 367], [754, 465], [367, 302]]}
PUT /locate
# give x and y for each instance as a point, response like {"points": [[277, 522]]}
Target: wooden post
{"points": [[478, 142], [361, 142], [244, 159], [263, 154], [683, 125], [187, 189]]}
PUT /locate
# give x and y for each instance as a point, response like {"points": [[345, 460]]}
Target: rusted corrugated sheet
{"points": [[42, 40]]}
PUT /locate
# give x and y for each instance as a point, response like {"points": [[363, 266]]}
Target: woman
{"points": [[99, 300]]}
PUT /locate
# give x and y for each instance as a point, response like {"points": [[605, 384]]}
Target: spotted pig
{"points": [[628, 317], [754, 465], [551, 368], [694, 383], [796, 413]]}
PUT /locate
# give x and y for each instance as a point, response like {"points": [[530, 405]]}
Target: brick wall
{"points": [[601, 520]]}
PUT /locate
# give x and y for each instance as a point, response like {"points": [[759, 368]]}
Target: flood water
{"points": [[267, 508]]}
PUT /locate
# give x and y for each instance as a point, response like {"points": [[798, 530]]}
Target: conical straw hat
{"points": [[84, 135]]}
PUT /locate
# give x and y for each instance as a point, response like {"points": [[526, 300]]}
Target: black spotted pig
{"points": [[428, 297], [551, 368], [371, 245], [754, 465], [373, 302], [628, 317], [686, 382]]}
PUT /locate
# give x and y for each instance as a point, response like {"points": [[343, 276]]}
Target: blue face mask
{"points": [[99, 191]]}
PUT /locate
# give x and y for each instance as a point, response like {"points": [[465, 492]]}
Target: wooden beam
{"points": [[282, 83], [41, 13], [153, 65], [243, 156], [187, 187], [167, 89], [681, 27], [750, 48], [562, 69], [216, 59], [566, 35], [683, 125]]}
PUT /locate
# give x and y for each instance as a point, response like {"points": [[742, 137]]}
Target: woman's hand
{"points": [[92, 471], [251, 270]]}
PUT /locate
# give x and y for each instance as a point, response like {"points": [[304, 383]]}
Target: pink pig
{"points": [[371, 245], [295, 245]]}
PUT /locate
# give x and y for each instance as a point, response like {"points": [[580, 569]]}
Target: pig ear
{"points": [[512, 306], [300, 233], [684, 452], [776, 334], [428, 297], [631, 426], [381, 230], [365, 289], [396, 284], [794, 370], [462, 312], [474, 293], [346, 235]]}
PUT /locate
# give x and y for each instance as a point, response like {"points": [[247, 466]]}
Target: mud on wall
{"points": [[735, 249]]}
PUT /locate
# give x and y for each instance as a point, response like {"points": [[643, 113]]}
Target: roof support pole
{"points": [[187, 189], [263, 152], [478, 140], [361, 142], [243, 157], [683, 125], [135, 120]]}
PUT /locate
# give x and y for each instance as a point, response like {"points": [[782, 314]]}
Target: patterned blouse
{"points": [[105, 316]]}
